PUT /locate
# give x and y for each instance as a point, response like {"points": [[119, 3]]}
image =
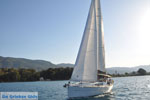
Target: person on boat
{"points": [[105, 79]]}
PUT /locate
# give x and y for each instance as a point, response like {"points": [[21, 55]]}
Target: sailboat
{"points": [[89, 76]]}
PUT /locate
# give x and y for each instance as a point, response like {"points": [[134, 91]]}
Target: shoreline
{"points": [[66, 80]]}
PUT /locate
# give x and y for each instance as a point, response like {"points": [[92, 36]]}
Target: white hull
{"points": [[79, 91]]}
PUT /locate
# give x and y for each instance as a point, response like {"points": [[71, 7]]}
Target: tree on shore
{"points": [[24, 75], [141, 71]]}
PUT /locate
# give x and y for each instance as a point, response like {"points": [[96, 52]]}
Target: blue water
{"points": [[125, 88]]}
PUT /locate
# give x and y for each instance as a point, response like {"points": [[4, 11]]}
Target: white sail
{"points": [[100, 38], [91, 53]]}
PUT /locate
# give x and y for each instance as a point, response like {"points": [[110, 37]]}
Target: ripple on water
{"points": [[125, 88]]}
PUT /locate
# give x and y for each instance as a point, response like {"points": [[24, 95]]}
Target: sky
{"points": [[52, 30]]}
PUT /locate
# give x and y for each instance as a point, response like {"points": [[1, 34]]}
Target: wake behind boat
{"points": [[89, 76]]}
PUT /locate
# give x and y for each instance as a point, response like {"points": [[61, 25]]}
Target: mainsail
{"points": [[91, 58], [100, 38]]}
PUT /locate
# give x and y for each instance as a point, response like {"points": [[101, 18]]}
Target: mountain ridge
{"points": [[11, 62], [118, 70]]}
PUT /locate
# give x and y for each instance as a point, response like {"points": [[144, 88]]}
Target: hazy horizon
{"points": [[52, 30]]}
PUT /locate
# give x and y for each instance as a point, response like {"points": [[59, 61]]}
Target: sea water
{"points": [[125, 88]]}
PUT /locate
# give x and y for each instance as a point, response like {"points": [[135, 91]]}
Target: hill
{"points": [[115, 70], [10, 62], [65, 65], [122, 70]]}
